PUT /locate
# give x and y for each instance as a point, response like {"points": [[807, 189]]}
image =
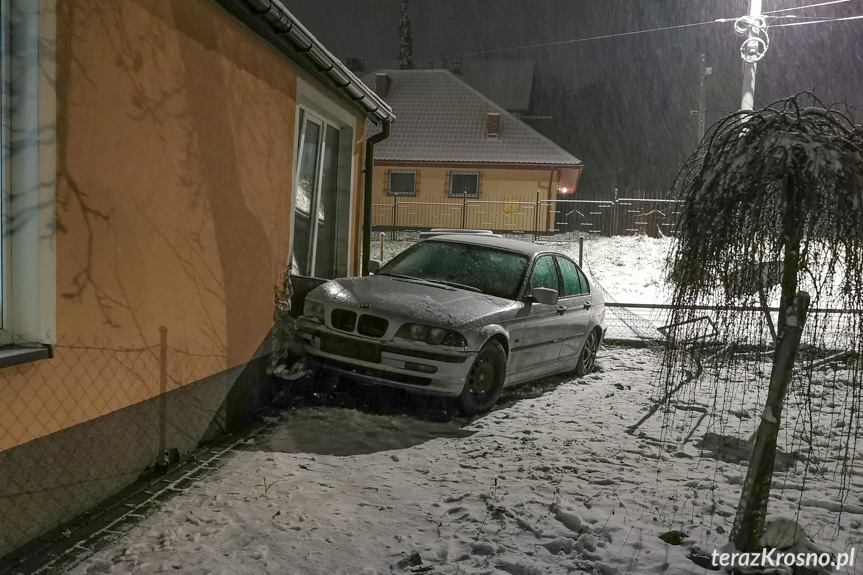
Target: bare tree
{"points": [[406, 43], [777, 189]]}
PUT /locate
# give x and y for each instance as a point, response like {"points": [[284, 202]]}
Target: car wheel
{"points": [[587, 357], [484, 381]]}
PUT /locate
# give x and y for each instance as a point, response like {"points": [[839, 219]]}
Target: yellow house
{"points": [[161, 160], [455, 159]]}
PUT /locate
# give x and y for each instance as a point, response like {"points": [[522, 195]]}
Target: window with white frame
{"points": [[402, 183], [4, 149], [28, 137], [322, 196], [464, 184]]}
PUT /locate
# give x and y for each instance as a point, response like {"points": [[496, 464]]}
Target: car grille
{"points": [[372, 326], [343, 319]]}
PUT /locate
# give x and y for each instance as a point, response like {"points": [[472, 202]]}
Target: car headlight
{"points": [[314, 310], [431, 335]]}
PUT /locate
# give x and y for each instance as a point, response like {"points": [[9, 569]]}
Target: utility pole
{"points": [[751, 51]]}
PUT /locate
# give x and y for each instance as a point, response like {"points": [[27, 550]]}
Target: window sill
{"points": [[11, 355]]}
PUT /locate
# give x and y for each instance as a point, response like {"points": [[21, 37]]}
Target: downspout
{"points": [[367, 192], [548, 216]]}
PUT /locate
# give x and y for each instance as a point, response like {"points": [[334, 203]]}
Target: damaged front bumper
{"points": [[420, 367]]}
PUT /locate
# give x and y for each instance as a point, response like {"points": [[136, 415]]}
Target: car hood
{"points": [[411, 300]]}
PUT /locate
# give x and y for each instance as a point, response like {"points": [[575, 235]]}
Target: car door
{"points": [[575, 298], [540, 334]]}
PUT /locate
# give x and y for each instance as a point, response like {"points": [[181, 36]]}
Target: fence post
{"points": [[536, 216], [464, 212], [163, 400], [382, 246], [580, 249], [395, 215]]}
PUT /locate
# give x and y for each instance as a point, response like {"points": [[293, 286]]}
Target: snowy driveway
{"points": [[547, 484]]}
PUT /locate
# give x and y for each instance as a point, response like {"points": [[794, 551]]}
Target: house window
{"points": [[322, 197], [464, 184], [402, 183], [27, 217]]}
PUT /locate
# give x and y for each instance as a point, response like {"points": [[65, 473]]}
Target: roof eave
{"points": [[274, 23]]}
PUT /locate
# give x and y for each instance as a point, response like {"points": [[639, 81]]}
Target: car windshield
{"points": [[478, 268]]}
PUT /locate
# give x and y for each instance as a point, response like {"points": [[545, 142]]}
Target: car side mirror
{"points": [[374, 266], [545, 296]]}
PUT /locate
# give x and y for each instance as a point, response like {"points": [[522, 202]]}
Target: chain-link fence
{"points": [[82, 425]]}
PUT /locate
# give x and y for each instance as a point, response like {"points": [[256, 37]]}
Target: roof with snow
{"points": [[442, 119]]}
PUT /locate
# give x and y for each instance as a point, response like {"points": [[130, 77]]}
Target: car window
{"points": [[574, 281], [544, 274], [585, 285], [486, 269]]}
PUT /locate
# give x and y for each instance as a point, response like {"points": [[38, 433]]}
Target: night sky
{"points": [[622, 105]]}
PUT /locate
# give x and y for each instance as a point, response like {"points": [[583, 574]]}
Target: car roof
{"points": [[526, 248]]}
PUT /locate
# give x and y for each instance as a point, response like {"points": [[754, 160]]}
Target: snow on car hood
{"points": [[407, 299]]}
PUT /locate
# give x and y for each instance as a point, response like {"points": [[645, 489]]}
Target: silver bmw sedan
{"points": [[458, 315]]}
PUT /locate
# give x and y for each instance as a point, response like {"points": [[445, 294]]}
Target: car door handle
{"points": [[587, 305], [561, 309]]}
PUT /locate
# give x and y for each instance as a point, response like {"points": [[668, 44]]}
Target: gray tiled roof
{"points": [[442, 119]]}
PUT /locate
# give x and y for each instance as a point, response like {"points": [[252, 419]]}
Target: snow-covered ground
{"points": [[550, 482]]}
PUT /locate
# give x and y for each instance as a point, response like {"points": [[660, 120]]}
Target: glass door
{"points": [[321, 200], [305, 193]]}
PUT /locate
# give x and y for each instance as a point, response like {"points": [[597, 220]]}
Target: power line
{"points": [[807, 6], [801, 18], [679, 26], [817, 21], [576, 40]]}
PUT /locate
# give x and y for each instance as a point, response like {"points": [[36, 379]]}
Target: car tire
{"points": [[587, 356], [484, 381]]}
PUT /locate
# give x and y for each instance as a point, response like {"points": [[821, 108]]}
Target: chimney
{"points": [[382, 84], [492, 125]]}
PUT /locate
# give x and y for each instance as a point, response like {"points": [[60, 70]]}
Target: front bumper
{"points": [[417, 367]]}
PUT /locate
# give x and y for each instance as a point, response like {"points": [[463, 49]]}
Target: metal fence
{"points": [[46, 478], [560, 217]]}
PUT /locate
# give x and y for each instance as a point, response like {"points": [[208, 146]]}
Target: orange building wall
{"points": [[175, 153]]}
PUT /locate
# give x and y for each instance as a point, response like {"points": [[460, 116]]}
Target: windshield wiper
{"points": [[441, 282], [415, 279], [457, 285], [402, 277]]}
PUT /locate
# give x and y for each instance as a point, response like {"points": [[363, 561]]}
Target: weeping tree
{"points": [[771, 202]]}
